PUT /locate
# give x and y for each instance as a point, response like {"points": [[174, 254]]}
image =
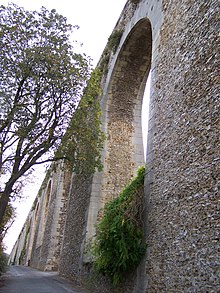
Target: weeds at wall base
{"points": [[119, 246]]}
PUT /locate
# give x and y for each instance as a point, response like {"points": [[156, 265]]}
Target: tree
{"points": [[7, 222], [42, 80]]}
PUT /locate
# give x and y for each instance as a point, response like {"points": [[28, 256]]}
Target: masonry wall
{"points": [[177, 41], [15, 256], [182, 195], [50, 219], [183, 199], [40, 240], [71, 257]]}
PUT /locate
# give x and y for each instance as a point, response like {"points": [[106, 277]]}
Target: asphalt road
{"points": [[20, 279]]}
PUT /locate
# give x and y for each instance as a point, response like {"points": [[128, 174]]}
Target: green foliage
{"points": [[118, 246], [3, 260], [8, 220], [135, 1], [112, 45], [84, 138], [114, 40], [22, 255], [41, 84], [103, 65], [42, 81]]}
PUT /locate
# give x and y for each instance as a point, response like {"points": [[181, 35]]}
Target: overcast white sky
{"points": [[96, 19]]}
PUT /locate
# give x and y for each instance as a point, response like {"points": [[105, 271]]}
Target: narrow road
{"points": [[20, 279]]}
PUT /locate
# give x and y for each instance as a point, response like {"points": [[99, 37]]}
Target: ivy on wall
{"points": [[112, 45], [135, 1], [114, 40], [83, 141], [119, 246]]}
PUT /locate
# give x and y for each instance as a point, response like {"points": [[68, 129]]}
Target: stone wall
{"points": [[42, 234], [183, 203], [75, 227], [177, 41], [50, 219], [182, 196], [17, 256]]}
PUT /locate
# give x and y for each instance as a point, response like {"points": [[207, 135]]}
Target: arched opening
{"points": [[36, 212], [47, 198], [145, 114], [124, 147], [43, 216], [122, 111]]}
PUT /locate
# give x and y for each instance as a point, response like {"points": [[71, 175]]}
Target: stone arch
{"points": [[121, 107], [124, 147], [36, 212], [47, 198]]}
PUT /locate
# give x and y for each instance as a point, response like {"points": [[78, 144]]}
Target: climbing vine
{"points": [[83, 141], [135, 1], [114, 40], [112, 45], [119, 246]]}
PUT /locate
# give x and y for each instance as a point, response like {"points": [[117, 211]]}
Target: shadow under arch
{"points": [[122, 110], [122, 121], [124, 145], [47, 198], [123, 151]]}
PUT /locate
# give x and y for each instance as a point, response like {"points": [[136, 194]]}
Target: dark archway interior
{"points": [[48, 196], [125, 94]]}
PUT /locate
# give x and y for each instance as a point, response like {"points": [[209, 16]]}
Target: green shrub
{"points": [[103, 66], [135, 1], [3, 261], [114, 40], [119, 246]]}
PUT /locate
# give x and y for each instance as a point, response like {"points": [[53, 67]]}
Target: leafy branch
{"points": [[41, 84]]}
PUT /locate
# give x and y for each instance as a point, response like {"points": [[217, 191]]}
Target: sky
{"points": [[96, 20]]}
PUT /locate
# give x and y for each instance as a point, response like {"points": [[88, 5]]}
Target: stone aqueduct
{"points": [[177, 42]]}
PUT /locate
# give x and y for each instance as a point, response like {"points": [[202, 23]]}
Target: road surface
{"points": [[20, 279]]}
